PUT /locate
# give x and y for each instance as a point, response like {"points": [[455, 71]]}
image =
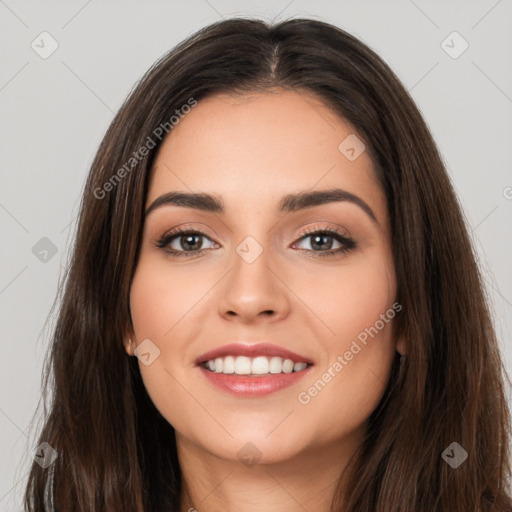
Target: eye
{"points": [[189, 242], [322, 241], [183, 242]]}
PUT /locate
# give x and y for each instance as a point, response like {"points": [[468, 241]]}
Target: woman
{"points": [[273, 303]]}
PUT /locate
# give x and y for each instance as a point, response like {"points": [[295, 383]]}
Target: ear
{"points": [[401, 345], [129, 342]]}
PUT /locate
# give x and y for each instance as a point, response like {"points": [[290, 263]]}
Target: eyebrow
{"points": [[288, 203]]}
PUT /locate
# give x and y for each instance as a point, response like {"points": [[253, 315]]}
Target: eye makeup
{"points": [[317, 234]]}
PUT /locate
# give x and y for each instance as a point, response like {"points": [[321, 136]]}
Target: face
{"points": [[312, 277]]}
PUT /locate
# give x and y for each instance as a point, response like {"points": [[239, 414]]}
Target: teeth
{"points": [[297, 367], [228, 365], [261, 365], [276, 365], [242, 365], [287, 366]]}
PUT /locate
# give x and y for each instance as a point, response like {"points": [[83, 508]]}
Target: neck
{"points": [[307, 481]]}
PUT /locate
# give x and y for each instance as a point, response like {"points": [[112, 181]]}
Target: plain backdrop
{"points": [[56, 107]]}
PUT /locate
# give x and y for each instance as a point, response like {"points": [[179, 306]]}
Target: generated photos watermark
{"points": [[305, 397], [137, 156]]}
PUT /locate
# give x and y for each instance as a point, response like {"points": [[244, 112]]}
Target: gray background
{"points": [[55, 112]]}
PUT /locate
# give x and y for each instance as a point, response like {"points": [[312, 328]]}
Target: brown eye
{"points": [[183, 242], [321, 242]]}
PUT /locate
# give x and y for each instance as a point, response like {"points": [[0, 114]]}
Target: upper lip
{"points": [[252, 350]]}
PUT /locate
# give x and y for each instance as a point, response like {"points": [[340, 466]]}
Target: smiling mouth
{"points": [[259, 366]]}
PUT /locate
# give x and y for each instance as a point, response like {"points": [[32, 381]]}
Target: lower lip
{"points": [[242, 386]]}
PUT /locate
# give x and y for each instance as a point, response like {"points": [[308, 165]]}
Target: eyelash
{"points": [[348, 243]]}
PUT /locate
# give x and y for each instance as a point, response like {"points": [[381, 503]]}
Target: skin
{"points": [[251, 151]]}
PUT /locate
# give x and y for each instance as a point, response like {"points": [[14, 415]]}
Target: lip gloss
{"points": [[247, 387]]}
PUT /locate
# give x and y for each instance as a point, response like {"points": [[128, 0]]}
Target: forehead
{"points": [[261, 145]]}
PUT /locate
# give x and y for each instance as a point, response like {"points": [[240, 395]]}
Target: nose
{"points": [[254, 290]]}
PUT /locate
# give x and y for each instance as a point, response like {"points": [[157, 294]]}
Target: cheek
{"points": [[347, 299], [159, 299], [161, 304], [356, 309]]}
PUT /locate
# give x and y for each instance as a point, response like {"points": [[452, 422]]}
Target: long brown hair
{"points": [[115, 450]]}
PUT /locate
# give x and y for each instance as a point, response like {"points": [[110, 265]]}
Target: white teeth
{"points": [[276, 365], [288, 366], [229, 365], [260, 365], [242, 365]]}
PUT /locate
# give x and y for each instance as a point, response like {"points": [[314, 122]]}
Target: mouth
{"points": [[253, 366], [253, 370]]}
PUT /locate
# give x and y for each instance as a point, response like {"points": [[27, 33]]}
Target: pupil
{"points": [[320, 244], [189, 239]]}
